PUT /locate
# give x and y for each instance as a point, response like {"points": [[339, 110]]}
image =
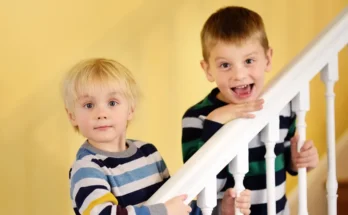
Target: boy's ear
{"points": [[269, 55], [205, 67], [71, 117], [130, 113]]}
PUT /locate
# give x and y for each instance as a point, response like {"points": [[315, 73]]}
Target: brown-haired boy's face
{"points": [[238, 70]]}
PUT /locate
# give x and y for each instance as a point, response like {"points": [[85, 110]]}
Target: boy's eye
{"points": [[112, 103], [225, 65], [88, 105], [249, 61]]}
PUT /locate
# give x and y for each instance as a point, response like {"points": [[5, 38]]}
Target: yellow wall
{"points": [[159, 42]]}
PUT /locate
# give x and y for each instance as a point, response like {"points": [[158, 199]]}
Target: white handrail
{"points": [[218, 151]]}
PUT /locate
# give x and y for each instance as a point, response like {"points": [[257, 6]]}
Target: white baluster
{"points": [[207, 198], [270, 135], [301, 106], [330, 75], [239, 166]]}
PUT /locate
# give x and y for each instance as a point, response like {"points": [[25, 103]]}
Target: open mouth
{"points": [[243, 90]]}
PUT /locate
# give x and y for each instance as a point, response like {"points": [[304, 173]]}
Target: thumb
{"points": [[293, 143], [228, 199], [231, 193]]}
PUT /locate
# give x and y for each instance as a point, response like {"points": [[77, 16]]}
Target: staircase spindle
{"points": [[270, 135], [207, 198], [239, 166], [329, 75], [301, 106]]}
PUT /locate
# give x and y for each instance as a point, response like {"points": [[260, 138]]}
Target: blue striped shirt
{"points": [[104, 183]]}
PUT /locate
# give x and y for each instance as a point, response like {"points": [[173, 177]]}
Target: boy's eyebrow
{"points": [[114, 93], [219, 58], [86, 96], [254, 52], [223, 58]]}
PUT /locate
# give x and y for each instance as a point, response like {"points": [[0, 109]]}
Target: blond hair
{"points": [[232, 25], [98, 72]]}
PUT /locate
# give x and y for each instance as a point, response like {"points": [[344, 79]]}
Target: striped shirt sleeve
{"points": [[195, 132], [91, 193]]}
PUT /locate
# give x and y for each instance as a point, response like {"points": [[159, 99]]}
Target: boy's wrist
{"points": [[213, 116], [292, 169]]}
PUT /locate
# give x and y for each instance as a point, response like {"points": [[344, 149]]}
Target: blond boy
{"points": [[112, 174]]}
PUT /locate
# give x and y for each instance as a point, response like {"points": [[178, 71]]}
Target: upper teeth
{"points": [[243, 86]]}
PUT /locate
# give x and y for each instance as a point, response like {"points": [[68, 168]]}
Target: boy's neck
{"points": [[220, 97], [118, 145]]}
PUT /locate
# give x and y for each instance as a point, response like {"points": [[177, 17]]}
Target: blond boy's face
{"points": [[238, 70], [101, 115]]}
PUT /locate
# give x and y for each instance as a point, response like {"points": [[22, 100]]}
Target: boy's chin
{"points": [[238, 100], [235, 99]]}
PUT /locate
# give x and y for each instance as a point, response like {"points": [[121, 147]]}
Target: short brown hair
{"points": [[232, 25]]}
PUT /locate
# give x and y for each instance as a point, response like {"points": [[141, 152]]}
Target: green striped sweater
{"points": [[196, 130]]}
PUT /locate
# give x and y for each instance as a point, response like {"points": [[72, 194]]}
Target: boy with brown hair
{"points": [[236, 56]]}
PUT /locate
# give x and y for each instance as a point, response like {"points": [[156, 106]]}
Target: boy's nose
{"points": [[239, 74], [101, 113]]}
